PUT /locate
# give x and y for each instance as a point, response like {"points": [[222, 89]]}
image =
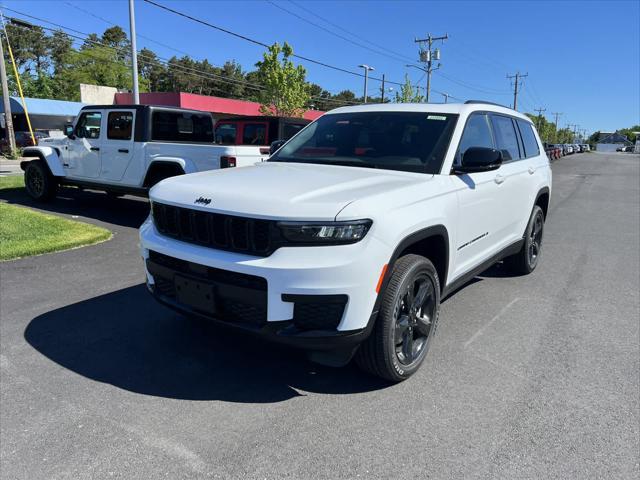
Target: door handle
{"points": [[499, 179], [532, 170], [95, 149], [123, 150]]}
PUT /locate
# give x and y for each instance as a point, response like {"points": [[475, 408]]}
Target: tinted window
{"points": [[88, 125], [531, 148], [409, 141], [181, 127], [477, 133], [506, 137], [226, 134], [254, 134], [119, 125]]}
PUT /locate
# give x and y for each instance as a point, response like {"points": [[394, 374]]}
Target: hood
{"points": [[277, 190]]}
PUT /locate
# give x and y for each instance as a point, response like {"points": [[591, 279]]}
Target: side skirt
{"points": [[138, 191], [463, 279]]}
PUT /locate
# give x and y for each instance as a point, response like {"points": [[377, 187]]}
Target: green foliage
{"points": [[407, 93], [628, 132], [286, 93], [50, 67]]}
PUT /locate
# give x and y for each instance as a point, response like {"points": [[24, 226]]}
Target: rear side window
{"points": [[254, 134], [506, 137], [226, 134], [531, 148], [477, 133], [181, 127], [119, 125]]}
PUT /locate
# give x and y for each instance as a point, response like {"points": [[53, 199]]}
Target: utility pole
{"points": [[367, 69], [8, 120], [134, 53], [572, 126], [382, 88], [446, 97], [517, 78], [540, 112], [557, 114], [427, 56]]}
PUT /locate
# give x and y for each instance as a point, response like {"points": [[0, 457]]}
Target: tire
{"points": [[526, 260], [39, 182], [399, 329]]}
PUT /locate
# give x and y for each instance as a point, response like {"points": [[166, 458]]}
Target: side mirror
{"points": [[68, 131], [479, 159], [275, 146]]}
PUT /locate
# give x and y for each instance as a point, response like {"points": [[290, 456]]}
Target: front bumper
{"points": [[282, 297]]}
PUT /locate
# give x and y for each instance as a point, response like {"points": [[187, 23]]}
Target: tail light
{"points": [[227, 162]]}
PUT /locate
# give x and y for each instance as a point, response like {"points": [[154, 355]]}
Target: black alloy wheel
{"points": [[414, 313]]}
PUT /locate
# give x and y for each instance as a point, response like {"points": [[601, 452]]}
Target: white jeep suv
{"points": [[347, 238]]}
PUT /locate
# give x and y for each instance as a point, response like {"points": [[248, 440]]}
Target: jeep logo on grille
{"points": [[203, 201]]}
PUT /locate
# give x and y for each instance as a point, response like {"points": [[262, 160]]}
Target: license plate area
{"points": [[197, 295]]}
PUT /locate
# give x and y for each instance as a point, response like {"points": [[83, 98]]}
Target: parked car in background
{"points": [[251, 136], [568, 148], [347, 238], [559, 149], [124, 149], [585, 147], [24, 139]]}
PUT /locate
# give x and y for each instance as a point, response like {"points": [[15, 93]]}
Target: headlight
{"points": [[331, 233]]}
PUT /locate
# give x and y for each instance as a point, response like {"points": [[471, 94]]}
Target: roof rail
{"points": [[485, 102]]}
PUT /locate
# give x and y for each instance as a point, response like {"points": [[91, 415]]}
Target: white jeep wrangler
{"points": [[128, 149], [347, 238]]}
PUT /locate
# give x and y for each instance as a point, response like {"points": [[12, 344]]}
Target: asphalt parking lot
{"points": [[529, 377]]}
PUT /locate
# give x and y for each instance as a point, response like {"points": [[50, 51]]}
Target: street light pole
{"points": [[134, 53], [367, 69]]}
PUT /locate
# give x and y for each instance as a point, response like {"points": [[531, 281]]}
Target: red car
{"points": [[23, 139]]}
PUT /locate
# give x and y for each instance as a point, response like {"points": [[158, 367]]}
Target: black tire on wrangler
{"points": [[526, 260], [39, 182], [406, 323]]}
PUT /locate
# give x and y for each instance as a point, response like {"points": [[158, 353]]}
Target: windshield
{"points": [[408, 141]]}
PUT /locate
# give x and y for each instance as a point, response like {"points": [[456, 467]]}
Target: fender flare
{"points": [[541, 192], [438, 230], [165, 161], [49, 155]]}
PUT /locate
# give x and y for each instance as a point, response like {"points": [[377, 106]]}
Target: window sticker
{"points": [[436, 117]]}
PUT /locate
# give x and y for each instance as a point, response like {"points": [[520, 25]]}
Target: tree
{"points": [[152, 70], [628, 132], [407, 94], [345, 97], [286, 92]]}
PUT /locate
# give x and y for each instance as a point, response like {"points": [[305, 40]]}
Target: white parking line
{"points": [[484, 327]]}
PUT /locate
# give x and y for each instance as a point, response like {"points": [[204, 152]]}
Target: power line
{"points": [[350, 33], [87, 12], [85, 38], [251, 40], [184, 69], [333, 33]]}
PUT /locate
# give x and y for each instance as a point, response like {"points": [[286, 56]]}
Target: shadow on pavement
{"points": [[128, 340], [126, 211]]}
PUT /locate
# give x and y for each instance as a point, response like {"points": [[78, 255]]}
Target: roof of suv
{"points": [[456, 108]]}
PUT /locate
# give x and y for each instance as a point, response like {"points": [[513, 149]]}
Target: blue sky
{"points": [[582, 57]]}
